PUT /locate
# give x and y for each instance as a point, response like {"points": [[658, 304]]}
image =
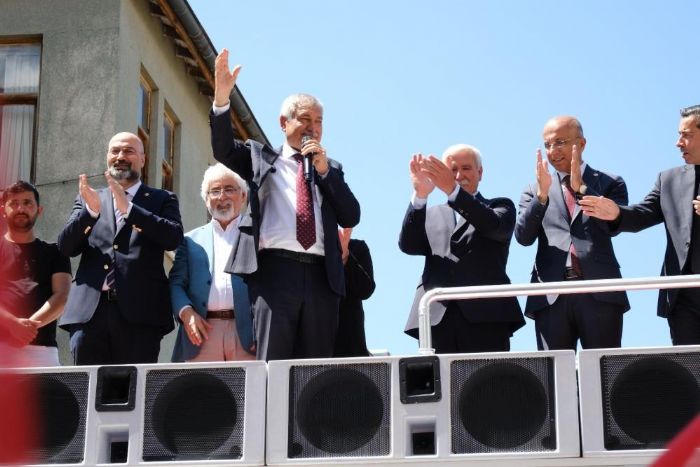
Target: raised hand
{"points": [[600, 207], [224, 79], [440, 174], [89, 194], [696, 205], [422, 184], [543, 177], [320, 160], [576, 179], [118, 193]]}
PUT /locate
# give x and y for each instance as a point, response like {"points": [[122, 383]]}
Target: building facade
{"points": [[75, 72]]}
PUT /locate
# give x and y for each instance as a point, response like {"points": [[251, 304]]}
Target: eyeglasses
{"points": [[557, 144], [228, 191]]}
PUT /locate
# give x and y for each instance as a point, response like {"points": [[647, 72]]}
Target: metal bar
{"points": [[542, 288]]}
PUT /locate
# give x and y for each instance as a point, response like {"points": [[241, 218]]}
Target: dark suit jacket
{"points": [[255, 162], [190, 283], [153, 226], [474, 255], [670, 202], [359, 286], [554, 231]]}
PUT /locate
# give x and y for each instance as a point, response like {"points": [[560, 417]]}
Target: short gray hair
{"points": [[455, 148], [291, 104], [218, 171], [692, 111]]}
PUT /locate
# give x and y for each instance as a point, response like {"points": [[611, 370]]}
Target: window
{"points": [[145, 106], [168, 148], [19, 93]]}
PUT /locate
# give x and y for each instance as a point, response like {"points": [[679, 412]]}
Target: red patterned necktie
{"points": [[306, 223], [571, 207]]}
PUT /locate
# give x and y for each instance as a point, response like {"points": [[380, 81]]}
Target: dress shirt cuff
{"points": [[418, 203], [453, 196], [92, 213], [219, 110]]}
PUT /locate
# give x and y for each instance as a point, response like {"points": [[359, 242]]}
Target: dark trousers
{"points": [[454, 334], [295, 313], [578, 317], [350, 340], [108, 339], [684, 319]]}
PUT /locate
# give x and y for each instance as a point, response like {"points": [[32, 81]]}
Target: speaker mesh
{"points": [[339, 410], [194, 414], [503, 405], [647, 399], [62, 407]]}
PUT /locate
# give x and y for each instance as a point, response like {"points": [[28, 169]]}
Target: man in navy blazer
{"points": [[118, 307], [212, 306], [465, 242], [570, 244], [288, 250], [674, 201]]}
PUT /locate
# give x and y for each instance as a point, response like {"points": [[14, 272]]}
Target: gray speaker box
{"points": [[155, 415], [422, 408], [633, 401]]}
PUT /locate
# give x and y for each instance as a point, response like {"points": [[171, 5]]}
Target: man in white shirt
{"points": [[210, 305], [288, 251]]}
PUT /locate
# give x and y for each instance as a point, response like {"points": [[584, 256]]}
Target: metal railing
{"points": [[542, 288]]}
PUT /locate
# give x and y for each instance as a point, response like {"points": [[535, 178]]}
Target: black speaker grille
{"points": [[647, 399], [62, 409], [194, 414], [339, 410], [503, 405]]}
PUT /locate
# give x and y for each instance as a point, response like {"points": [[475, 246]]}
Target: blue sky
{"points": [[417, 76]]}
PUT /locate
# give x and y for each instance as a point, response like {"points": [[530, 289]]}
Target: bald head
{"points": [[565, 121]]}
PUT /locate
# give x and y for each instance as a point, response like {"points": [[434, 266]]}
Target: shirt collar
{"points": [[288, 151], [229, 227], [133, 189]]}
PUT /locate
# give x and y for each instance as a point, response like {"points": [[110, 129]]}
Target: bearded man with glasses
{"points": [[210, 305]]}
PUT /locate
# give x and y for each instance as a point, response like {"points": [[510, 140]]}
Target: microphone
{"points": [[307, 161]]}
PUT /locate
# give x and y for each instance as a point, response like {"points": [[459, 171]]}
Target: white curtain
{"points": [[21, 75]]}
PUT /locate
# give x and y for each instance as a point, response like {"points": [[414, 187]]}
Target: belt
{"points": [[570, 274], [220, 314], [307, 258], [110, 295]]}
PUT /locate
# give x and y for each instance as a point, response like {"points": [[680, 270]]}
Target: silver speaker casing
{"points": [[407, 418], [591, 400], [107, 426]]}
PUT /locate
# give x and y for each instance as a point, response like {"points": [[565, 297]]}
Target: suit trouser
{"points": [[108, 339], [295, 312], [579, 316], [684, 319], [454, 334]]}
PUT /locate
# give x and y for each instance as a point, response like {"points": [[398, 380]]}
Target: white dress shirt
{"points": [[221, 292], [278, 200]]}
